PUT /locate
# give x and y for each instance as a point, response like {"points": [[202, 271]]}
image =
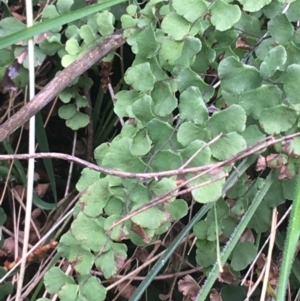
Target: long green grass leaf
{"points": [[244, 165], [296, 263], [169, 251], [56, 22], [17, 163], [36, 200], [292, 238], [205, 290], [44, 147]]}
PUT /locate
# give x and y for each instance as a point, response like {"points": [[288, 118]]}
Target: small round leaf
{"points": [[140, 77]]}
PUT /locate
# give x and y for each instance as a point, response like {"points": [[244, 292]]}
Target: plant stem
{"points": [[291, 243], [205, 290], [61, 81]]}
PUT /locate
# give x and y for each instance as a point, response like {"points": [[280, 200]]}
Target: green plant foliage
{"points": [[289, 84], [109, 261], [80, 39], [284, 116], [224, 15], [10, 25], [233, 291], [218, 122], [105, 21], [79, 120], [202, 70], [275, 60], [75, 119], [291, 244], [191, 10], [252, 6], [84, 227], [209, 192], [231, 70], [77, 253], [87, 287], [140, 77], [55, 22], [227, 146], [141, 143], [64, 6], [243, 254], [164, 101], [286, 31], [192, 107], [201, 159], [253, 101]]}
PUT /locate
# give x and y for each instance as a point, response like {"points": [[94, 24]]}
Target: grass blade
{"points": [[296, 263], [169, 251], [44, 147], [205, 290], [290, 246], [36, 200], [17, 163], [243, 166], [56, 22]]}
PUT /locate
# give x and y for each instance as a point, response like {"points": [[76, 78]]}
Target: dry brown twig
{"points": [[61, 81], [206, 169], [262, 144]]}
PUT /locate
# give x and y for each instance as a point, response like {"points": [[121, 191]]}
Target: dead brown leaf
{"points": [[40, 176], [276, 160], [226, 276], [8, 247], [142, 254], [288, 148], [41, 37], [230, 202], [286, 171], [248, 283], [9, 265], [41, 251], [247, 236], [41, 189], [261, 261], [105, 74], [188, 287], [18, 16], [240, 43], [164, 297], [20, 190], [261, 163], [21, 57], [120, 260], [273, 275], [141, 232], [215, 295], [126, 289], [36, 213], [7, 83]]}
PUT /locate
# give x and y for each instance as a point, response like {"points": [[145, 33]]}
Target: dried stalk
{"points": [[60, 82]]}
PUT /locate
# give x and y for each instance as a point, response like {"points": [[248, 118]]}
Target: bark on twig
{"points": [[250, 150], [60, 82]]}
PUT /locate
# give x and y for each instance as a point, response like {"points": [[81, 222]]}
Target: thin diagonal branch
{"points": [[60, 82], [259, 146]]}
